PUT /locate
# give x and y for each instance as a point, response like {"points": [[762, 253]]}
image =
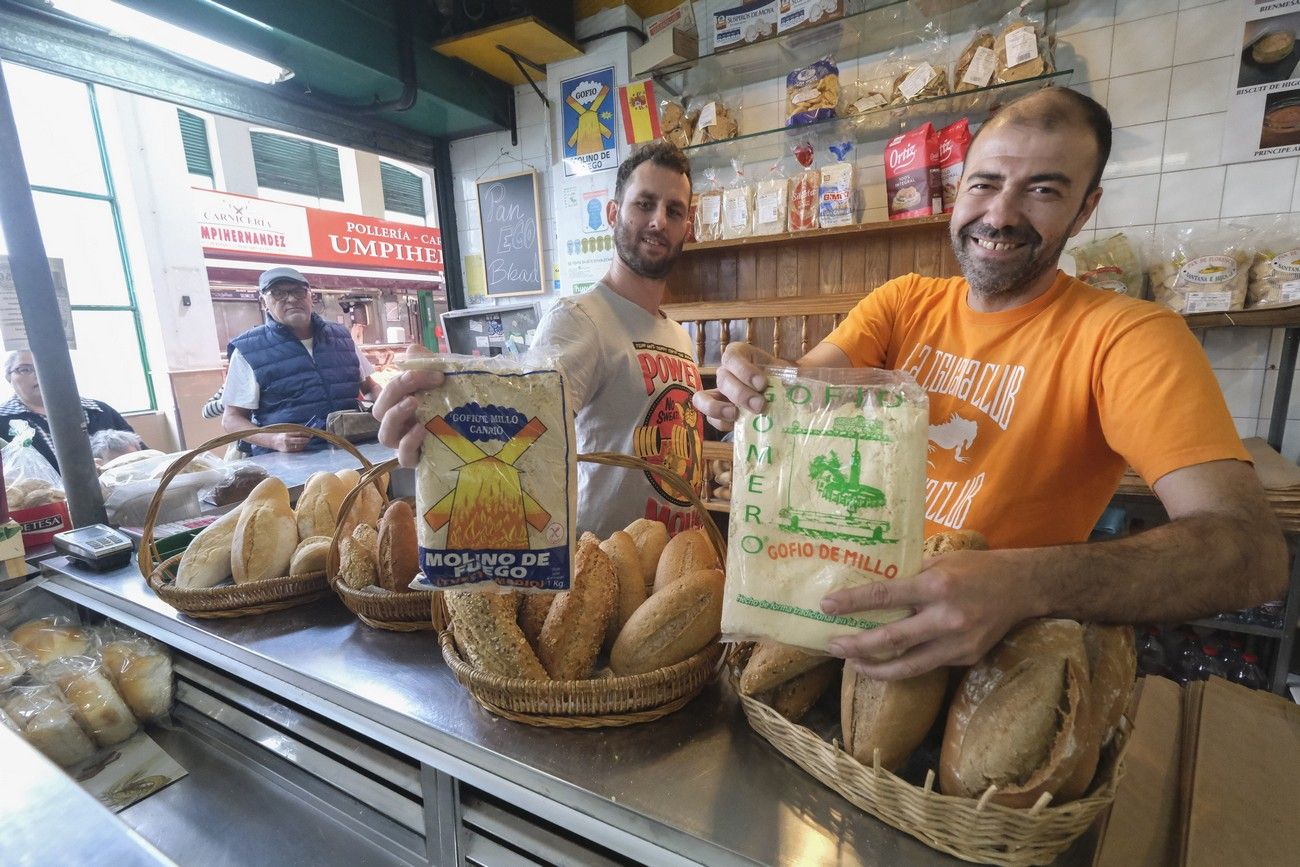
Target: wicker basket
{"points": [[974, 830], [599, 702], [229, 600], [408, 611]]}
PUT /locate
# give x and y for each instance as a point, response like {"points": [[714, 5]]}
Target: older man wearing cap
{"points": [[296, 368]]}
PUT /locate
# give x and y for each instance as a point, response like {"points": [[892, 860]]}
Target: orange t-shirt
{"points": [[1035, 411]]}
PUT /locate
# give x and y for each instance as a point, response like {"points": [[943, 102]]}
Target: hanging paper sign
{"points": [[589, 124]]}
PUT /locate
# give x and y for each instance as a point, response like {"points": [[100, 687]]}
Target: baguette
{"points": [[266, 534], [399, 557], [206, 561], [318, 505], [672, 625], [532, 616], [773, 663], [890, 716], [310, 555], [483, 623], [650, 537], [575, 626], [623, 556], [689, 552], [794, 697]]}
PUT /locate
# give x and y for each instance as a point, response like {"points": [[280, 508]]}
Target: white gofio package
{"points": [[828, 492], [496, 490]]}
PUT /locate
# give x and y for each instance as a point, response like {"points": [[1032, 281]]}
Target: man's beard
{"points": [[991, 278], [625, 243]]}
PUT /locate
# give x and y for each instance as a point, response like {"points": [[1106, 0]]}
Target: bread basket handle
{"points": [[150, 557], [370, 476]]}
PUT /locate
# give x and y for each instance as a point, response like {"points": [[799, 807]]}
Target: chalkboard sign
{"points": [[512, 249]]}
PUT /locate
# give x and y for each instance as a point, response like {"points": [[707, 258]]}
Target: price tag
{"points": [[1022, 46], [916, 81], [1207, 302], [980, 71]]}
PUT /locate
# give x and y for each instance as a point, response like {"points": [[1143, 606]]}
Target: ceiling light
{"points": [[124, 21]]}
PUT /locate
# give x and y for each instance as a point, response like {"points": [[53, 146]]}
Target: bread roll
{"points": [[651, 537], [95, 703], [1021, 719], [368, 503], [955, 540], [689, 552], [358, 568], [310, 555], [399, 555], [575, 626], [46, 722], [623, 556], [318, 505], [48, 639], [238, 484], [793, 698], [206, 562], [368, 536], [266, 534], [773, 663], [890, 715], [488, 635], [1112, 668], [672, 625], [532, 616], [141, 672]]}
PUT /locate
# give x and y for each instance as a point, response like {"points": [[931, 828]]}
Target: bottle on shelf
{"points": [[1248, 673], [1188, 664], [1208, 664], [1151, 656]]}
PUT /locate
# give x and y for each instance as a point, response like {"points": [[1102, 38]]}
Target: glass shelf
{"points": [[868, 27], [772, 144]]}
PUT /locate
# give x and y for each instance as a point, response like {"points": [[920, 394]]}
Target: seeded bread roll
{"points": [[266, 534], [532, 616], [206, 561], [357, 566], [773, 663], [672, 625], [623, 556], [488, 635], [794, 697], [310, 555], [399, 557], [892, 716], [575, 626], [688, 552], [318, 505], [650, 537]]}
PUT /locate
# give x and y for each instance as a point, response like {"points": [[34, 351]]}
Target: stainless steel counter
{"points": [[294, 468], [696, 786]]}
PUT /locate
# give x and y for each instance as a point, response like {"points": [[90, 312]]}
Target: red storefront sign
{"points": [[351, 239]]}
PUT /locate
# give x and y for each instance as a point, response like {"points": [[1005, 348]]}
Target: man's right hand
{"points": [[741, 381], [395, 409], [288, 442]]}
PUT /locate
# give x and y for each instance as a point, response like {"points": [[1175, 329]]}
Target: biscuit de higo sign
{"points": [[242, 232]]}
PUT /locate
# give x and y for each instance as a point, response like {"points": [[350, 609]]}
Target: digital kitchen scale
{"points": [[98, 547]]}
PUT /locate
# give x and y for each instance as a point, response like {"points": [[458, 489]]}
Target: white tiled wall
{"points": [[1164, 70]]}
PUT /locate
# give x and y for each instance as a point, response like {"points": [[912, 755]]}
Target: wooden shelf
{"points": [[1265, 317], [818, 234], [528, 37]]}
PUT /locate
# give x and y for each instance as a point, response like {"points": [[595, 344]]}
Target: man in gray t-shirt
{"points": [[630, 367]]}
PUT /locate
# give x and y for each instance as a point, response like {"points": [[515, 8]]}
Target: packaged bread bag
{"points": [[954, 141], [1111, 264], [835, 194], [771, 202], [496, 486], [708, 213], [805, 188], [1275, 271], [1199, 269], [913, 181], [738, 205], [828, 493]]}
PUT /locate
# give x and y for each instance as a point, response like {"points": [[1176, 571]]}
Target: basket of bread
{"points": [[1029, 745], [373, 557], [632, 640], [261, 556]]}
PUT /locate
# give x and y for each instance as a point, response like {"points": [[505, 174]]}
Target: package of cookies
{"points": [[1275, 271], [744, 23], [812, 93], [675, 124], [1022, 47], [1199, 269], [977, 64], [715, 120], [923, 71], [797, 14]]}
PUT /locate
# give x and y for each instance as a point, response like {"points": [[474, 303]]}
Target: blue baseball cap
{"points": [[274, 275]]}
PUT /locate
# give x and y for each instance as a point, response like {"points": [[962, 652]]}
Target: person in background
{"points": [[28, 405], [631, 369], [106, 445], [1042, 389], [296, 368]]}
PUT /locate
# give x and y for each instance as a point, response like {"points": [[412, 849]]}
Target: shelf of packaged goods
{"points": [[1238, 626], [770, 145], [1260, 317], [855, 230], [867, 27]]}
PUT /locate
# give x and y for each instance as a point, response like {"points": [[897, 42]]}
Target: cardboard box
{"points": [[748, 22], [680, 17], [665, 47], [798, 14]]}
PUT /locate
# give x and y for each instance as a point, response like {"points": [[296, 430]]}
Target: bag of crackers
{"points": [[1022, 47], [715, 120], [1199, 269], [1275, 270], [923, 71], [812, 93]]}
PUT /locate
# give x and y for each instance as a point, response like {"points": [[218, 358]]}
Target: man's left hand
{"points": [[965, 603]]}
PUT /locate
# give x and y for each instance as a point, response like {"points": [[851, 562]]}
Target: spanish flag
{"points": [[640, 111]]}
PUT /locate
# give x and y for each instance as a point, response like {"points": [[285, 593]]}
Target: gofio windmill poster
{"points": [[589, 128]]}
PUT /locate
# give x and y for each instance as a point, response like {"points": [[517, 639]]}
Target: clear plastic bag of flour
{"points": [[828, 492], [496, 487]]}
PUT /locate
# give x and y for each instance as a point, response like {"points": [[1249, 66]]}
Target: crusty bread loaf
{"points": [[1021, 719], [96, 705], [399, 556], [358, 567], [793, 697], [672, 625], [368, 503], [892, 716], [318, 505], [687, 553], [651, 537], [954, 540], [532, 616], [623, 556], [772, 663], [266, 534], [488, 635], [310, 555], [141, 673], [48, 639], [1112, 668], [575, 626], [206, 561]]}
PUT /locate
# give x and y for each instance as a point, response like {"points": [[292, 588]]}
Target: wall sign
{"points": [[512, 248], [1264, 113], [589, 126]]}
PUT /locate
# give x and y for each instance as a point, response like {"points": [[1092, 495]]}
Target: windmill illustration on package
{"points": [[589, 128], [496, 486]]}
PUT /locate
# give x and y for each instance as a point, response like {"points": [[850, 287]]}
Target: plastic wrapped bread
{"points": [[141, 671], [14, 662], [95, 703], [49, 638], [46, 722]]}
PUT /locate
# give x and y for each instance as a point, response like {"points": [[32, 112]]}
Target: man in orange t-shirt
{"points": [[1041, 389]]}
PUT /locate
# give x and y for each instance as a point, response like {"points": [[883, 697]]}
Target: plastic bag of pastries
{"points": [[978, 63], [96, 704], [715, 120], [14, 662], [676, 124], [812, 92], [1199, 269], [1275, 270], [923, 71], [141, 671], [1110, 263], [45, 720], [52, 637], [1023, 48]]}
